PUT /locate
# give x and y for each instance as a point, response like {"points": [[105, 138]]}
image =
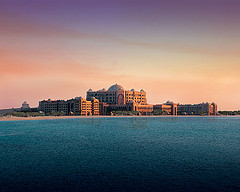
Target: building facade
{"points": [[197, 109], [169, 107], [116, 95], [116, 98], [77, 106], [163, 108], [187, 109], [106, 109], [94, 106], [25, 106]]}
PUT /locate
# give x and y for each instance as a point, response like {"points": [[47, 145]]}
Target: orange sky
{"points": [[48, 53]]}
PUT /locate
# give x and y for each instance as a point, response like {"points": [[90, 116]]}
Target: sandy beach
{"points": [[46, 118], [79, 117]]}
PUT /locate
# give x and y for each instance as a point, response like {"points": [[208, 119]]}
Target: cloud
{"points": [[37, 76], [16, 25], [25, 81], [71, 70]]}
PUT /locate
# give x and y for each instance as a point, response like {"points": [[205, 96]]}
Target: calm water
{"points": [[121, 154]]}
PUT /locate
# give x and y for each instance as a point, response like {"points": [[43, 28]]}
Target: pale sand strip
{"points": [[45, 118], [100, 116]]}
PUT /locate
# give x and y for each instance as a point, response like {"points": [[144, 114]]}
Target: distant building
{"points": [[5, 111], [103, 108], [116, 98], [116, 95], [25, 106], [169, 107], [106, 109], [47, 106], [197, 109], [163, 108], [95, 106], [77, 106], [187, 109]]}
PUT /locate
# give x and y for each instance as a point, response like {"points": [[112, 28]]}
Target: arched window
{"points": [[120, 99]]}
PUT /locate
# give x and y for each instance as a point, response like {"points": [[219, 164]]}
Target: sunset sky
{"points": [[186, 51]]}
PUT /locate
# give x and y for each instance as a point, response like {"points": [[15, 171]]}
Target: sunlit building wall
{"points": [[77, 106], [116, 95], [197, 109]]}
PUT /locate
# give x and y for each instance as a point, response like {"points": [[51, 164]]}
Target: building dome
{"points": [[25, 105], [115, 87]]}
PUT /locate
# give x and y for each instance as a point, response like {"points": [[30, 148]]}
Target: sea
{"points": [[121, 154]]}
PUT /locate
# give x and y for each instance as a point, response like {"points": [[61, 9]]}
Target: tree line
{"points": [[229, 112], [34, 114]]}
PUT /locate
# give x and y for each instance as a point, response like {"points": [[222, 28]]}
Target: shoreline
{"points": [[100, 116], [13, 118]]}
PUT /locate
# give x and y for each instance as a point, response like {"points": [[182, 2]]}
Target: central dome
{"points": [[115, 87]]}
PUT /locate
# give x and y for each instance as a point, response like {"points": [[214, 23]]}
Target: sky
{"points": [[186, 51]]}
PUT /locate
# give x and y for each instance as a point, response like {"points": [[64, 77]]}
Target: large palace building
{"points": [[116, 98], [116, 95]]}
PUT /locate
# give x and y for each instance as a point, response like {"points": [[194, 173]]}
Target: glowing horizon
{"points": [[185, 52]]}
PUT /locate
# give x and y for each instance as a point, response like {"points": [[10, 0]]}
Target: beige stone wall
{"points": [[137, 96]]}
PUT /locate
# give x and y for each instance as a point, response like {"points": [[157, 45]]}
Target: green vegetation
{"points": [[125, 113], [34, 114], [202, 113], [157, 112], [55, 113], [229, 112], [181, 113], [25, 114]]}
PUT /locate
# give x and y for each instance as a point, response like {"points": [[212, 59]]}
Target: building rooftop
{"points": [[115, 87]]}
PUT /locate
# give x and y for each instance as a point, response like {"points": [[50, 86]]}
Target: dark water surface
{"points": [[121, 154]]}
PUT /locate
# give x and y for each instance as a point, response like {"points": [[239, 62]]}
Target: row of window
{"points": [[101, 94]]}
